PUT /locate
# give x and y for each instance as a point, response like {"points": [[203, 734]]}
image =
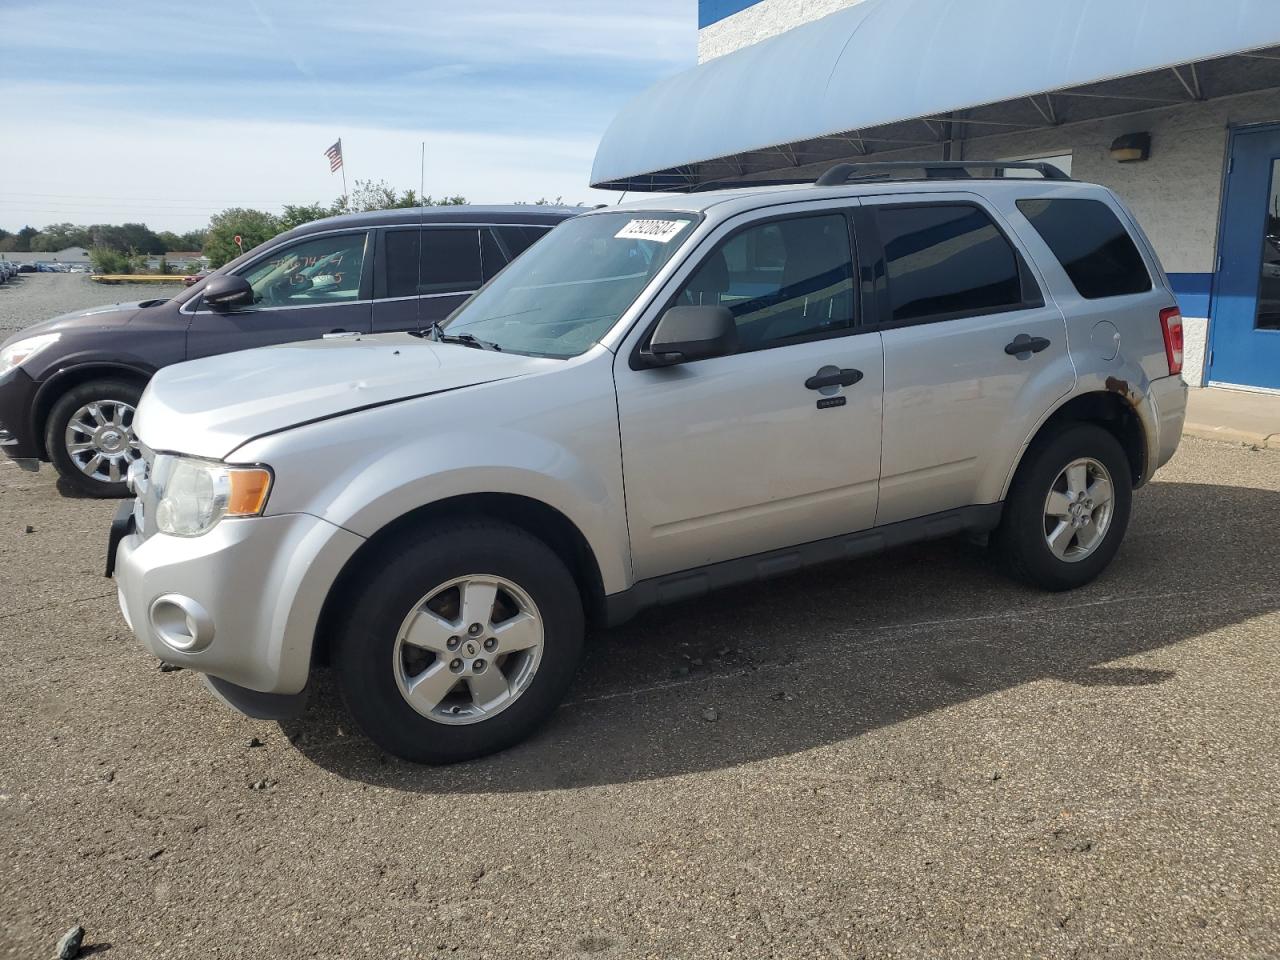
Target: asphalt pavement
{"points": [[903, 756]]}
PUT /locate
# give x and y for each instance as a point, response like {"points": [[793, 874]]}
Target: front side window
{"points": [[1092, 245], [566, 291], [321, 270], [518, 239], [783, 281], [432, 260], [946, 260]]}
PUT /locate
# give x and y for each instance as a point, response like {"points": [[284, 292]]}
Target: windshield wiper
{"points": [[436, 333]]}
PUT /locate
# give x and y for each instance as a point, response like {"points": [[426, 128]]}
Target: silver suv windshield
{"points": [[566, 291]]}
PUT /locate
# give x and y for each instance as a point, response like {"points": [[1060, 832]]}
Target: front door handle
{"points": [[1024, 344], [841, 378]]}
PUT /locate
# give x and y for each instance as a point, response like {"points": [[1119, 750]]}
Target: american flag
{"points": [[334, 154]]}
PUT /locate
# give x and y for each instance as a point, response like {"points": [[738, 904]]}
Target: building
{"points": [[68, 255], [192, 260], [1174, 105]]}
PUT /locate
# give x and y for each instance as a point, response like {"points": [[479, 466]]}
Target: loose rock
{"points": [[30, 528], [69, 945], [711, 714], [169, 667], [255, 742]]}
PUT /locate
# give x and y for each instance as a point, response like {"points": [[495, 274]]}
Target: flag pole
{"points": [[345, 195]]}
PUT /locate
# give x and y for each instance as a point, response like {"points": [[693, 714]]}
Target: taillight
{"points": [[1171, 325]]}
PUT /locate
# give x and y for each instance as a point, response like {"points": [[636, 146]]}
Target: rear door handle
{"points": [[1025, 344], [841, 378]]}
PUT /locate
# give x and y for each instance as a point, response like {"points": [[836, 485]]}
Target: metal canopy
{"points": [[898, 74]]}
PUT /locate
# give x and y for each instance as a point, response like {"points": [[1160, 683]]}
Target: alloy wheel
{"points": [[1078, 510], [100, 442], [468, 649]]}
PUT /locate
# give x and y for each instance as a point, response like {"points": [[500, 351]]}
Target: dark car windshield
{"points": [[567, 290]]}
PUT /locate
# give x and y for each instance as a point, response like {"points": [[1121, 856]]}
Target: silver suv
{"points": [[659, 399]]}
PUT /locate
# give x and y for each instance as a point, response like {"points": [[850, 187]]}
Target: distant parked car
{"points": [[193, 279], [69, 386], [27, 268]]}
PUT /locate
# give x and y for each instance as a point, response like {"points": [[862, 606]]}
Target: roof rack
{"points": [[842, 173], [712, 185]]}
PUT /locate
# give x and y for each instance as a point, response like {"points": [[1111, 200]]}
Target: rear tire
{"points": [[94, 419], [457, 692], [1067, 510]]}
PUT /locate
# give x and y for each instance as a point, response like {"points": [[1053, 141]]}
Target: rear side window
{"points": [[432, 261], [1091, 244], [947, 260]]}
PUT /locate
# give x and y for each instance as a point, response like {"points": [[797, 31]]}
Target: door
{"points": [[302, 291], [425, 273], [957, 394], [737, 455], [1246, 299]]}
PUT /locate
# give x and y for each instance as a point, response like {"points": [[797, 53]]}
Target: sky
{"points": [[167, 113]]}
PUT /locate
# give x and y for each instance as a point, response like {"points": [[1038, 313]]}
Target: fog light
{"points": [[181, 623]]}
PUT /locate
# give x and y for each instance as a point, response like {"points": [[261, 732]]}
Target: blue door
{"points": [[1246, 300]]}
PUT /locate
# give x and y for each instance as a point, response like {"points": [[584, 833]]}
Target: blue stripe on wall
{"points": [[1192, 291], [711, 11]]}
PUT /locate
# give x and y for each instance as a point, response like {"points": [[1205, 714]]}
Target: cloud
{"points": [[281, 163], [191, 114]]}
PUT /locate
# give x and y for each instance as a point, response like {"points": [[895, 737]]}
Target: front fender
{"points": [[551, 438]]}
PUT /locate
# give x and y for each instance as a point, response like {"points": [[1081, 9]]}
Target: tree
{"points": [[170, 240], [23, 239], [295, 215], [108, 260], [59, 236], [378, 195], [253, 226]]}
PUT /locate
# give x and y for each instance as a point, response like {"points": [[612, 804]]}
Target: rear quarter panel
{"points": [[1116, 343]]}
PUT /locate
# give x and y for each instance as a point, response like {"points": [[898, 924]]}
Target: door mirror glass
{"points": [[685, 334], [228, 291]]}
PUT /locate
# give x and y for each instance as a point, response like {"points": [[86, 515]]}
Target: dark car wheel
{"points": [[1067, 510], [89, 436], [461, 643]]}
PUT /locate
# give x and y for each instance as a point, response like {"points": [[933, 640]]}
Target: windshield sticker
{"points": [[663, 231]]}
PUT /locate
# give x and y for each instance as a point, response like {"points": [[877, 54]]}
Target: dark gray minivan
{"points": [[69, 386]]}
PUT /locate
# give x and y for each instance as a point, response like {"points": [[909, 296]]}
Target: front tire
{"points": [[463, 641], [89, 436], [1067, 510]]}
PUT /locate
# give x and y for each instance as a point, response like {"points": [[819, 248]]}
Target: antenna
{"points": [[422, 228]]}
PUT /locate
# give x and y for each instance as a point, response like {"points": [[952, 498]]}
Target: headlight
{"points": [[191, 496], [23, 350]]}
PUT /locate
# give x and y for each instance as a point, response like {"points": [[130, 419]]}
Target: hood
{"points": [[209, 407], [110, 315]]}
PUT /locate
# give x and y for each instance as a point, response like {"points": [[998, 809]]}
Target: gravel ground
{"points": [[910, 757], [30, 297]]}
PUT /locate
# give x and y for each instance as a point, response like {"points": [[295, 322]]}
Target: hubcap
{"points": [[468, 649], [99, 439], [1078, 510]]}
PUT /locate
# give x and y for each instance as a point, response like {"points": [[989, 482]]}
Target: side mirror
{"points": [[227, 291], [685, 334]]}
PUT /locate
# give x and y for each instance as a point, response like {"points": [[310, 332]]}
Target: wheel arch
{"points": [[68, 379], [535, 517], [1109, 410]]}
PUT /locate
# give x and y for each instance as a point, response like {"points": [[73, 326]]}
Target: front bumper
{"points": [[240, 603], [17, 439]]}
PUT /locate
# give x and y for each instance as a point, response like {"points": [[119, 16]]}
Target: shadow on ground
{"points": [[827, 655]]}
